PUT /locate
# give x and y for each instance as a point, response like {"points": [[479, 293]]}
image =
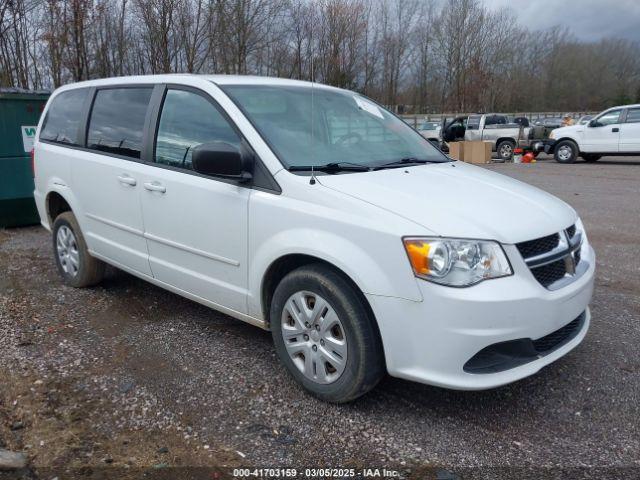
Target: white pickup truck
{"points": [[615, 131], [493, 127]]}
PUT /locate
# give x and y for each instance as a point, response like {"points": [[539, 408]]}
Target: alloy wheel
{"points": [[506, 151]]}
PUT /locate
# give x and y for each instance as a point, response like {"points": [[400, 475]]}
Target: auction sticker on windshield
{"points": [[368, 107]]}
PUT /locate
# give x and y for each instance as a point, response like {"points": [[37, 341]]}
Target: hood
{"points": [[459, 200], [567, 131]]}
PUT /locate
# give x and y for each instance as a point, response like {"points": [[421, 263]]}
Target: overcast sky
{"points": [[587, 19]]}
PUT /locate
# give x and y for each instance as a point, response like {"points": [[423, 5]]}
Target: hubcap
{"points": [[506, 150], [314, 337], [564, 153], [67, 249]]}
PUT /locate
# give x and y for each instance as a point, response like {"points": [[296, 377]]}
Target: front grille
{"points": [[561, 336], [550, 258], [539, 246], [550, 273]]}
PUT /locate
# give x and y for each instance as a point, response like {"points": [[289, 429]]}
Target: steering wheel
{"points": [[343, 139]]}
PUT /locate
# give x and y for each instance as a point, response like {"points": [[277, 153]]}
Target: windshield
{"points": [[318, 126]]}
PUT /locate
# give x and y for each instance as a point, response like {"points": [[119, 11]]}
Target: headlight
{"points": [[552, 135], [456, 262]]}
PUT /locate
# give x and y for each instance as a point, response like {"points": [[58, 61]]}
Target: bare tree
{"points": [[159, 33], [419, 55]]}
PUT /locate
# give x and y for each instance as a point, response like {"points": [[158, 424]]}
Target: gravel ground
{"points": [[126, 378]]}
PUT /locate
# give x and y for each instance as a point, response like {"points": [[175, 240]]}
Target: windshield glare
{"points": [[318, 126]]}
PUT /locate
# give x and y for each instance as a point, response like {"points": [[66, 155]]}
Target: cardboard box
{"points": [[456, 150], [477, 152]]}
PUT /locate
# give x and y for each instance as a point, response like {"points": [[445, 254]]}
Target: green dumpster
{"points": [[19, 114]]}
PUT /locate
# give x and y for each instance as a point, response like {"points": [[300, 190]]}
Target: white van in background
{"points": [[315, 213]]}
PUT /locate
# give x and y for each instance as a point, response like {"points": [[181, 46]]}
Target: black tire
{"points": [[591, 157], [90, 270], [365, 364], [566, 151], [505, 149]]}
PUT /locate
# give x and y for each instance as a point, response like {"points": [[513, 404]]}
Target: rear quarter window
{"points": [[64, 116]]}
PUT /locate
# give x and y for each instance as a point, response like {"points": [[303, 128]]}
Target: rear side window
{"points": [[633, 115], [495, 120], [189, 120], [63, 117], [117, 120]]}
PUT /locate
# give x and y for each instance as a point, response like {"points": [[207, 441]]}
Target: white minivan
{"points": [[313, 212]]}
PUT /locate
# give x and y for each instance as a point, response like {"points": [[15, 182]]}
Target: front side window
{"points": [[64, 116], [609, 118], [633, 115], [188, 120], [317, 126], [117, 120], [474, 122]]}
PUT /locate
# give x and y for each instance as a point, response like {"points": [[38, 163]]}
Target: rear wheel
{"points": [[75, 265], [591, 157], [566, 151], [325, 334], [505, 149]]}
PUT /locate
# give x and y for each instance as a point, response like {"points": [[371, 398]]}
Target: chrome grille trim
{"points": [[567, 250]]}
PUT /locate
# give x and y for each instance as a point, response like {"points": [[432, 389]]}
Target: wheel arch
{"points": [[287, 263], [56, 203], [572, 140], [505, 139]]}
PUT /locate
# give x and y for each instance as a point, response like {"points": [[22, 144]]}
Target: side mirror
{"points": [[593, 123], [221, 159]]}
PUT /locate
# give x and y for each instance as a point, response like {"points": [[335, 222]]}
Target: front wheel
{"points": [[325, 334], [566, 151]]}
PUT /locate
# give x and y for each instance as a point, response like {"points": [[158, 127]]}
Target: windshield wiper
{"points": [[331, 167], [403, 162]]}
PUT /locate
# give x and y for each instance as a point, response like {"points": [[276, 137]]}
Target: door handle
{"points": [[127, 180], [615, 130], [155, 187]]}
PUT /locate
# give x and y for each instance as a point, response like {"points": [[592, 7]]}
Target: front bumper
{"points": [[431, 341], [549, 146], [546, 146]]}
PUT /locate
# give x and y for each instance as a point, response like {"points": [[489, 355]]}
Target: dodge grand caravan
{"points": [[315, 213]]}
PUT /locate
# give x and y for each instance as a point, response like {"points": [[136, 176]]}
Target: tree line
{"points": [[425, 56]]}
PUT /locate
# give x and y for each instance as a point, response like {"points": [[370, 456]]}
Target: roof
{"points": [[176, 77], [634, 105]]}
